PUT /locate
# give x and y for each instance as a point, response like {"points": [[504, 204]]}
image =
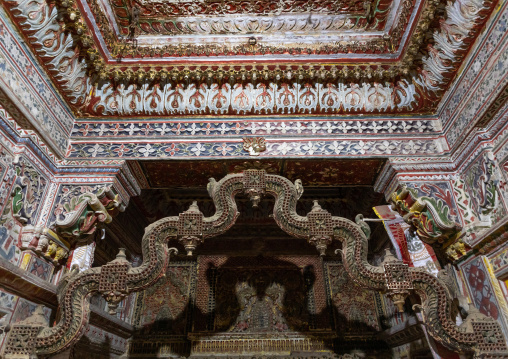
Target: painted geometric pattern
{"points": [[234, 128], [235, 149], [37, 266], [480, 287], [500, 262]]}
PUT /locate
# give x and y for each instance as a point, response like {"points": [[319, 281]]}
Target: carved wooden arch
{"points": [[479, 335]]}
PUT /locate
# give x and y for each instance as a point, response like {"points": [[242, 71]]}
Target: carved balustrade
{"points": [[479, 336]]}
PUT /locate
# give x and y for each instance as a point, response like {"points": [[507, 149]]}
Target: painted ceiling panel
{"points": [[326, 173]]}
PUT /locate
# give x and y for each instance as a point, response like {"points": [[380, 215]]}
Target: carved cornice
{"points": [[479, 335], [153, 18], [232, 16]]}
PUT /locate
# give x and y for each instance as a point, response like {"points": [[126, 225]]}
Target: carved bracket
{"points": [[84, 215], [428, 216]]}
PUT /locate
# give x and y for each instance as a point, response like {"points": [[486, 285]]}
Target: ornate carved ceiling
{"points": [[223, 28], [159, 58]]}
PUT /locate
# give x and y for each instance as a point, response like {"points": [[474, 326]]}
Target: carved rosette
{"points": [[480, 336]]}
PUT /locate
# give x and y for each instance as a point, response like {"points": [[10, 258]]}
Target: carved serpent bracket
{"points": [[429, 216], [478, 335]]}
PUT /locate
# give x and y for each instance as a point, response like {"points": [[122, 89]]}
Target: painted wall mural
{"points": [[482, 181], [482, 289], [167, 307], [355, 309]]}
